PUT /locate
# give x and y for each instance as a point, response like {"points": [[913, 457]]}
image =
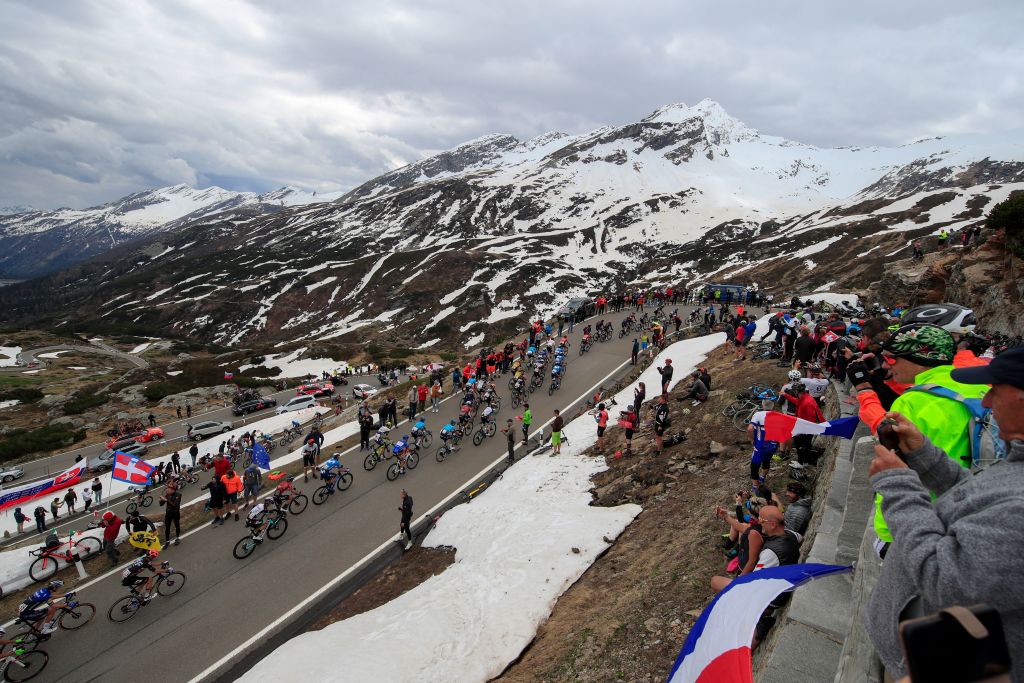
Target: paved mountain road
{"points": [[226, 601]]}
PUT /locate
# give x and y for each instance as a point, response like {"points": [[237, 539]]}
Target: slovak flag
{"points": [[229, 375], [718, 647], [779, 427], [128, 468]]}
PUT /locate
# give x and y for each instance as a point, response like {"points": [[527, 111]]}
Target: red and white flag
{"points": [[830, 337], [130, 469]]}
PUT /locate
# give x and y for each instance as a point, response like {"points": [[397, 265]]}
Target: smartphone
{"points": [[888, 437], [939, 648]]}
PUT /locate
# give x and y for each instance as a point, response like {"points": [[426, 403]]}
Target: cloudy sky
{"points": [[99, 99]]}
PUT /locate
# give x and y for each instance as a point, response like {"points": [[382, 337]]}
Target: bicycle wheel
{"points": [[441, 454], [244, 548], [26, 640], [131, 507], [731, 409], [171, 584], [392, 473], [369, 462], [25, 666], [88, 546], [147, 501], [741, 419], [515, 400], [426, 440], [478, 437], [124, 609], [277, 528], [412, 460], [77, 616], [43, 568], [491, 429], [344, 481], [298, 505], [321, 495]]}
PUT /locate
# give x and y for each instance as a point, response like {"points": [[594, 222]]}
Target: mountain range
{"points": [[464, 245]]}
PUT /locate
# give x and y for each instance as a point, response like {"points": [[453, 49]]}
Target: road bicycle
{"points": [[486, 429], [585, 345], [378, 453], [45, 564], [449, 446], [138, 498], [556, 383], [71, 615], [518, 397], [168, 582], [296, 506], [396, 470], [336, 482], [277, 524], [422, 438], [22, 664]]}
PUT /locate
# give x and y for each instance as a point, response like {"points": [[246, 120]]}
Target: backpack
{"points": [[249, 477], [986, 444]]}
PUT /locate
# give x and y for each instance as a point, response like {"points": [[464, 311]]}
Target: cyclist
{"points": [[419, 429], [257, 519], [286, 491], [465, 416], [557, 371], [485, 416], [401, 451], [331, 469], [37, 607], [586, 332], [448, 430], [380, 439], [132, 575]]}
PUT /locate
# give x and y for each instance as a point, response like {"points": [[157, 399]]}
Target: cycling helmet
{"points": [[451, 422], [813, 367], [54, 585], [154, 553], [290, 478], [310, 441], [794, 375], [950, 317]]}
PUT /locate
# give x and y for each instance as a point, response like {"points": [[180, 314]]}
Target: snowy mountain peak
{"points": [[16, 209], [544, 139], [721, 127]]}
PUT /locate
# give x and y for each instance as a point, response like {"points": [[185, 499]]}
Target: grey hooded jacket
{"points": [[964, 549]]}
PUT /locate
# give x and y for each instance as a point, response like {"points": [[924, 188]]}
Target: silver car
{"points": [[10, 474], [201, 430]]}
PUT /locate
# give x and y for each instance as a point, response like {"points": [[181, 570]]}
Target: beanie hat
{"points": [[108, 515], [921, 343]]}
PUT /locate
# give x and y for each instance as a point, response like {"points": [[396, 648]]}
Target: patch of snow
{"points": [[174, 373], [292, 365], [475, 340], [141, 347], [809, 264], [427, 345], [9, 356], [9, 404], [315, 285], [31, 372], [77, 367], [51, 354], [832, 298]]}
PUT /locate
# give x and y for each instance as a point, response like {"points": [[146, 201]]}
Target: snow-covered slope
{"points": [[35, 242], [466, 242]]}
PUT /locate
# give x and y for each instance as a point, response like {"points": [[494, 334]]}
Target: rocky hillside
{"points": [[34, 242], [455, 247]]}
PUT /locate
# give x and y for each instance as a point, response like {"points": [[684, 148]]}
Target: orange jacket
{"points": [[965, 358], [233, 483]]}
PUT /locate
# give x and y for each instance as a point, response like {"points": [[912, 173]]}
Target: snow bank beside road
{"points": [[9, 356], [514, 558]]}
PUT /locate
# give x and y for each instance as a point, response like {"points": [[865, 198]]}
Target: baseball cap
{"points": [[1006, 368]]}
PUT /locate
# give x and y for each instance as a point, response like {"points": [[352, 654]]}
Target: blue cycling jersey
{"points": [[420, 425], [331, 464]]}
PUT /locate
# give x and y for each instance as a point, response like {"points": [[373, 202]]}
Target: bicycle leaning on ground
{"points": [[45, 564]]}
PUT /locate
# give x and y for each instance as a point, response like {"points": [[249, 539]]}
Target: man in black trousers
{"points": [[404, 527]]}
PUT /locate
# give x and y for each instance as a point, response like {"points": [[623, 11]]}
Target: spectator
{"points": [[435, 395], [172, 514], [666, 375], [365, 426], [740, 340], [412, 397], [421, 396], [919, 355], [957, 550], [781, 547], [193, 453], [803, 348], [601, 417], [20, 518], [252, 480], [404, 527], [139, 522], [111, 524], [761, 456], [176, 462], [661, 423], [152, 420], [745, 535], [527, 418], [232, 487], [696, 390], [71, 499], [310, 459], [636, 350], [628, 421], [86, 498], [40, 516], [188, 410], [218, 494], [55, 506], [556, 433], [510, 435], [797, 508], [639, 396], [806, 409]]}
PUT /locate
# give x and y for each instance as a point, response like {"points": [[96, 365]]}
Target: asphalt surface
{"points": [[227, 601]]}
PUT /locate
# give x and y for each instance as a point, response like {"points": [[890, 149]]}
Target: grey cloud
{"points": [[98, 100]]}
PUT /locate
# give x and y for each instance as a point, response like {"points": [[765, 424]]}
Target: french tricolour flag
{"points": [[718, 647], [779, 427]]}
